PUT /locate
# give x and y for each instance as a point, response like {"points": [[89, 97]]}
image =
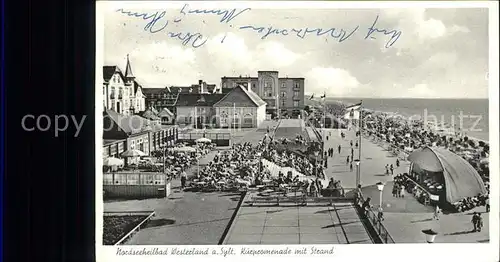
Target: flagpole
{"points": [[358, 182]]}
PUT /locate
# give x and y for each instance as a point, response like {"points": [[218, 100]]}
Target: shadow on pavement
{"points": [[460, 233], [338, 225], [160, 222], [422, 220]]}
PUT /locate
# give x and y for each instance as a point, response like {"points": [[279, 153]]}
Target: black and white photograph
{"points": [[292, 123]]}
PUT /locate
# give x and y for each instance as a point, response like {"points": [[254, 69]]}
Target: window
{"points": [[283, 102], [112, 95], [295, 93], [283, 94], [253, 86], [267, 84], [295, 103], [283, 85], [132, 145], [164, 95], [234, 84], [224, 85], [120, 93], [296, 84]]}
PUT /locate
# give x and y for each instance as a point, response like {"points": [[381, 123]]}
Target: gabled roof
{"points": [[109, 71], [128, 124], [249, 93], [165, 113], [198, 99], [255, 98]]}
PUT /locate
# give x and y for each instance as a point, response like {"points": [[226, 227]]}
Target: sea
{"points": [[444, 112]]}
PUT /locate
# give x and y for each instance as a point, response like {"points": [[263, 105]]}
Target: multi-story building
{"points": [[161, 98], [121, 92], [281, 94]]}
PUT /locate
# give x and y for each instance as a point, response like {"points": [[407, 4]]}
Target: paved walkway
{"points": [[405, 218], [271, 225], [290, 128], [185, 218]]}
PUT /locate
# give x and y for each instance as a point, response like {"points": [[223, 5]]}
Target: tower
{"points": [[129, 76], [129, 83]]}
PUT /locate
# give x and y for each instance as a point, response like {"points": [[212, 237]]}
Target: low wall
{"points": [[136, 191]]}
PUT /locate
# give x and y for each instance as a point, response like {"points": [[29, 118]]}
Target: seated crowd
{"points": [[231, 169], [404, 136]]}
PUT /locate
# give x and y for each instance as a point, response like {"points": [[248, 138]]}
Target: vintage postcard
{"points": [[264, 130]]}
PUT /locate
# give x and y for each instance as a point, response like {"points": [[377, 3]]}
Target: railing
{"points": [[377, 225], [136, 228], [299, 200]]}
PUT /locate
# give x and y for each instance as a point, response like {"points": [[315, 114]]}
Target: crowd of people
{"points": [[404, 136], [231, 169], [287, 158]]}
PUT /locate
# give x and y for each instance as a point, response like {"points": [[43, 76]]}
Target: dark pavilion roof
{"points": [[109, 71], [198, 99]]}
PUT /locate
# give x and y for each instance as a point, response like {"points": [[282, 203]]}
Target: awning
{"points": [[461, 179]]}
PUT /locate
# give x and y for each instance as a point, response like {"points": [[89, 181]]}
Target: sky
{"points": [[440, 53]]}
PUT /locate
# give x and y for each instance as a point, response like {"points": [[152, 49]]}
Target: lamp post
{"points": [[357, 171], [430, 235], [380, 187]]}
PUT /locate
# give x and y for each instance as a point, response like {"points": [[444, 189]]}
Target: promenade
{"points": [[405, 218]]}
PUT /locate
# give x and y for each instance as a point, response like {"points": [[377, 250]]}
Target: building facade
{"points": [[240, 107], [282, 95], [161, 98], [121, 92]]}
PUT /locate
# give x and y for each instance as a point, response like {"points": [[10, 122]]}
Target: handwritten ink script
{"points": [[156, 23]]}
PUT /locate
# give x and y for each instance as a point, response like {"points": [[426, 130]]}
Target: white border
{"points": [[399, 252]]}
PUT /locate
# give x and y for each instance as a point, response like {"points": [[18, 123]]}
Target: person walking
{"points": [[479, 222], [350, 167], [357, 144], [395, 190], [387, 169], [474, 220], [183, 180], [347, 162], [392, 169], [352, 152], [380, 214], [402, 191], [397, 162], [339, 148], [436, 213], [351, 143]]}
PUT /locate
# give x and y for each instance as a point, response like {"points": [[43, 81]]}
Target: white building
{"points": [[121, 92]]}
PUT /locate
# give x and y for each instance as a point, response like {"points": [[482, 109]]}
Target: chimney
{"points": [[204, 88], [200, 86], [249, 86]]}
